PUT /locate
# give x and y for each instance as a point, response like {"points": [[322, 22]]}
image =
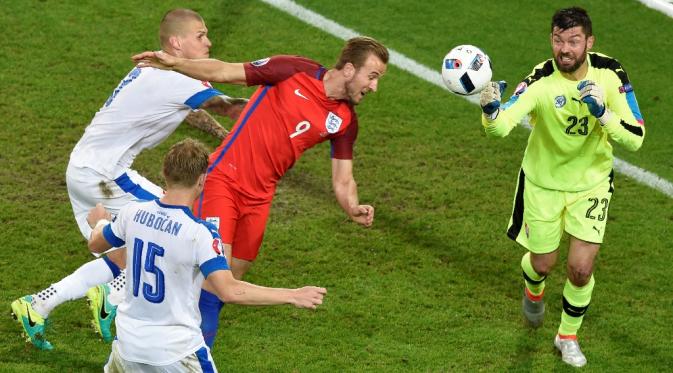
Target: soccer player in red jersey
{"points": [[298, 104]]}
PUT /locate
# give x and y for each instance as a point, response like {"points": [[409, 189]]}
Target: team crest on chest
{"points": [[333, 123], [560, 101]]}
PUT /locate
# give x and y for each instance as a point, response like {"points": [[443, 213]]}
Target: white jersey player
{"points": [[170, 253], [144, 109]]}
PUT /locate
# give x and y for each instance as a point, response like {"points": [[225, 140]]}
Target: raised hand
{"points": [[489, 99], [593, 96]]}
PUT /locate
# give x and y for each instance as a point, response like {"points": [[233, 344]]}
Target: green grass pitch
{"points": [[435, 285]]}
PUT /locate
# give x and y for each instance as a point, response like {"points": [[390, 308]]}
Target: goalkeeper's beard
{"points": [[579, 61]]}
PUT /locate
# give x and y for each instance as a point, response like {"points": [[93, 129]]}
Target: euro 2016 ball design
{"points": [[466, 70]]}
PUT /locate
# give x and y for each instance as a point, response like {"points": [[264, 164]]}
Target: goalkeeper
{"points": [[579, 102]]}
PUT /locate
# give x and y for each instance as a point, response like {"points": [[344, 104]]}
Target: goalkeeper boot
{"points": [[33, 323], [570, 351], [103, 311], [533, 308]]}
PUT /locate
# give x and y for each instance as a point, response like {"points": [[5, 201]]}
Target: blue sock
{"points": [[210, 306], [113, 267]]}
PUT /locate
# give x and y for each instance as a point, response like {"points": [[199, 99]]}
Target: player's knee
{"points": [[579, 275], [542, 269], [543, 263], [542, 266]]}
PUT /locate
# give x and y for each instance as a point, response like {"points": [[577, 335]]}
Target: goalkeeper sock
{"points": [[533, 281], [72, 287], [210, 306], [575, 303], [117, 289]]}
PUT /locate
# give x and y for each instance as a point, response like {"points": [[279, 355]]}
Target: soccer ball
{"points": [[466, 70]]}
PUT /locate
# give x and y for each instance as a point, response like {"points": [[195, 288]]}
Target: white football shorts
{"points": [[199, 361], [87, 187]]}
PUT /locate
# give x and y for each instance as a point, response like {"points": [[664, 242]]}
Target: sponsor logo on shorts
{"points": [[525, 228]]}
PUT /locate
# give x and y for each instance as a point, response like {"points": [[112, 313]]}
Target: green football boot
{"points": [[33, 323], [103, 311]]}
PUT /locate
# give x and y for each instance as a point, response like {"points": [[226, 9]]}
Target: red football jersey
{"points": [[288, 114]]}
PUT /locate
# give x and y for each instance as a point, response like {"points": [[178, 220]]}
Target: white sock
{"points": [[117, 289], [74, 286]]}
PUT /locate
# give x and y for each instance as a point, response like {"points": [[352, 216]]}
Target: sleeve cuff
{"points": [[110, 237], [215, 264], [607, 119], [199, 98]]}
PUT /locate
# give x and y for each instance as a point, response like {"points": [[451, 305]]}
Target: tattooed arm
{"points": [[205, 122], [222, 105], [225, 106]]}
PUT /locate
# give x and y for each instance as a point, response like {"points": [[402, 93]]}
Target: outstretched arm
{"points": [[498, 121], [202, 69], [346, 192], [230, 290]]}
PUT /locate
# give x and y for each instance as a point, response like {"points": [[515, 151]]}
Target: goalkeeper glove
{"points": [[490, 98], [593, 96]]}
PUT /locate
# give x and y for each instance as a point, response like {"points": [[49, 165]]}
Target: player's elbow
{"points": [[342, 187], [639, 140], [232, 291], [635, 145], [634, 142], [95, 246], [228, 296], [493, 130]]}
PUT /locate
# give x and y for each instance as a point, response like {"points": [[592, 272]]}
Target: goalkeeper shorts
{"points": [[540, 216]]}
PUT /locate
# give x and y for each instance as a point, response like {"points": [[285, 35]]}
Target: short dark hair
{"points": [[173, 22], [571, 17], [184, 163], [358, 49]]}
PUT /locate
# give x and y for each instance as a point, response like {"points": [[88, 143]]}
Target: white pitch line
{"points": [[434, 77], [663, 6]]}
